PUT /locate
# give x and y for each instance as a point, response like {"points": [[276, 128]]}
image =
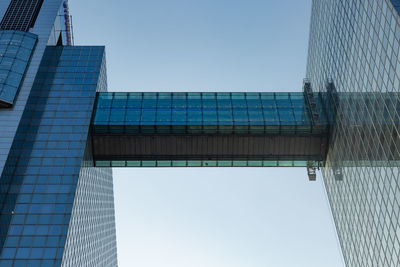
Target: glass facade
{"points": [[396, 4], [208, 130], [11, 117], [16, 48], [20, 15], [91, 239], [48, 175], [206, 113], [355, 45]]}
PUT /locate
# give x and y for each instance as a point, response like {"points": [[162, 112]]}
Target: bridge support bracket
{"points": [[312, 173]]}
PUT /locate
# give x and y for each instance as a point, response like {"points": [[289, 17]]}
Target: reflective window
{"points": [[205, 113], [16, 48]]}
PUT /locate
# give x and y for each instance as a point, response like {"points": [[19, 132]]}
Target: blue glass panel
{"points": [[15, 52], [133, 115], [50, 145], [209, 116], [396, 4], [264, 112], [195, 116], [148, 116], [163, 116], [225, 115], [179, 116]]}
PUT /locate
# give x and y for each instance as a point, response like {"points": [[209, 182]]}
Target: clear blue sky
{"points": [[206, 217]]}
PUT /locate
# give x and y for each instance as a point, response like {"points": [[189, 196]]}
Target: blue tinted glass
{"points": [[225, 115], [240, 115], [148, 115], [194, 103], [164, 115], [152, 109], [15, 52], [8, 253], [133, 115], [178, 115], [210, 116], [195, 115], [256, 115]]}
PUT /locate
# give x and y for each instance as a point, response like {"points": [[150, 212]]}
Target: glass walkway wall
{"points": [[208, 129]]}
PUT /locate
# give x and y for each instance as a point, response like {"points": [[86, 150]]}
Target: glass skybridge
{"points": [[209, 129]]}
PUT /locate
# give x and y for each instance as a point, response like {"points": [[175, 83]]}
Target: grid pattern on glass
{"points": [[44, 167], [356, 45], [91, 239], [207, 113], [206, 163], [21, 15], [16, 48]]}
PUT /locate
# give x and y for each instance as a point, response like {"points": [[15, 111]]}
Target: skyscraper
{"points": [[355, 45], [62, 131], [56, 210]]}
